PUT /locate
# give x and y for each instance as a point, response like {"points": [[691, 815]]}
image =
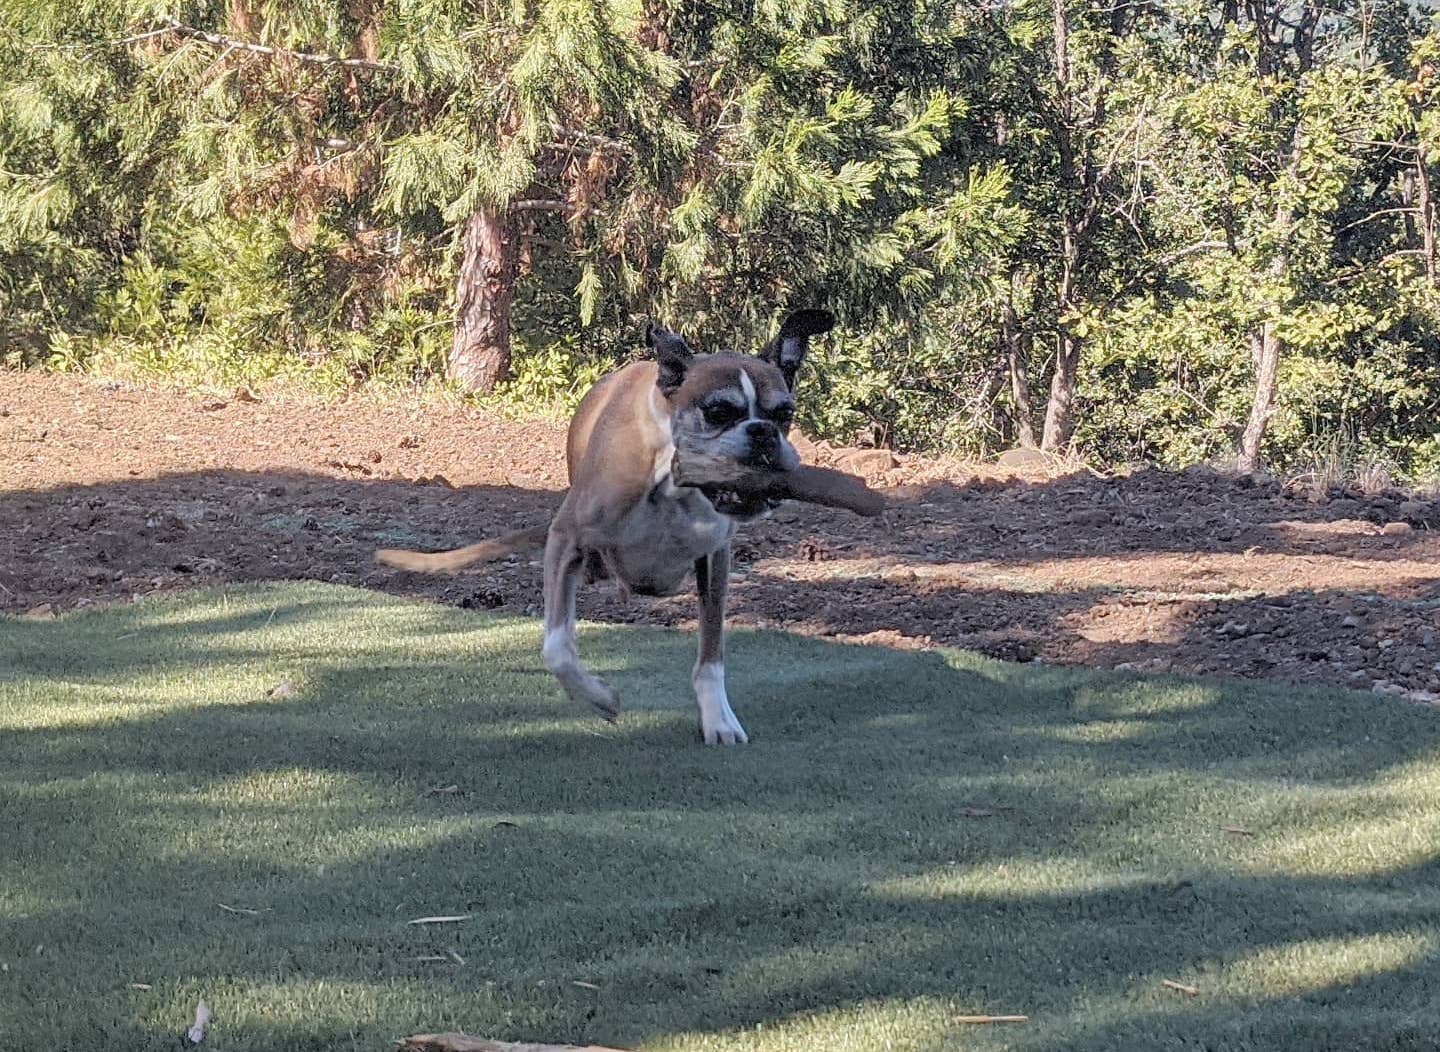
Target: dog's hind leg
{"points": [[718, 724], [563, 561]]}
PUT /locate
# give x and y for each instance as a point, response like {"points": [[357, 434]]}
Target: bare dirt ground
{"points": [[110, 491]]}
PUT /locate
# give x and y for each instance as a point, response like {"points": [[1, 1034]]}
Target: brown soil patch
{"points": [[112, 491]]}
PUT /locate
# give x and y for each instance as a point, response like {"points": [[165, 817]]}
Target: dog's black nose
{"points": [[762, 433]]}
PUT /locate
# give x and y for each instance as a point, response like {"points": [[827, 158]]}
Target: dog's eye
{"points": [[783, 415], [722, 414]]}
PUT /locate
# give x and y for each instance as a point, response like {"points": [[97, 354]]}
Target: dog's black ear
{"points": [[672, 354], [787, 350]]}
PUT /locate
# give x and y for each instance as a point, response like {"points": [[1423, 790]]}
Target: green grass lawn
{"points": [[909, 838]]}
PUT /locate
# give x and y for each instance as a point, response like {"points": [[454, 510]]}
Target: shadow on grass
{"points": [[908, 838]]}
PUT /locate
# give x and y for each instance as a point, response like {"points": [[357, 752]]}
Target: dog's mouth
{"points": [[737, 505]]}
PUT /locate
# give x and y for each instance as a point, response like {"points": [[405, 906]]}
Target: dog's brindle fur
{"points": [[624, 516]]}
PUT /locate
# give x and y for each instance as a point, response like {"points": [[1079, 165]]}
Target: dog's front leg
{"points": [[717, 720], [562, 578]]}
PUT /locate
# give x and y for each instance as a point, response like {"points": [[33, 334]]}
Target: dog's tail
{"points": [[459, 558]]}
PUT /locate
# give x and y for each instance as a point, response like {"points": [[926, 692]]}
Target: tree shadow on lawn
{"points": [[909, 837]]}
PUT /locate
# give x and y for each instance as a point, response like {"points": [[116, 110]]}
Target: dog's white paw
{"points": [[725, 731], [718, 724], [580, 684]]}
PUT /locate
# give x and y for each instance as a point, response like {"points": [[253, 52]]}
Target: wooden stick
{"points": [[466, 1043], [810, 485], [991, 1019], [1171, 984]]}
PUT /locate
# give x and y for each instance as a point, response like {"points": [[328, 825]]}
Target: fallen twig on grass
{"points": [[453, 919], [244, 910], [1171, 984], [991, 1019], [1237, 831], [466, 1043]]}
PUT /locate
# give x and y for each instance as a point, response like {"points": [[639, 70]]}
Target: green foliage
{"points": [[549, 379], [186, 204]]}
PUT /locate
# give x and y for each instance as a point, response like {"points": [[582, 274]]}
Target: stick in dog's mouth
{"points": [[810, 485]]}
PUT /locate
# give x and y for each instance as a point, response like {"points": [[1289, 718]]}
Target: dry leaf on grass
{"points": [[466, 1043], [197, 1030], [453, 919]]}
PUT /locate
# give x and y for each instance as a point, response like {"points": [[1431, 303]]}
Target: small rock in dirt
{"points": [[1351, 621], [1386, 644], [867, 461], [1425, 697], [1023, 458], [1088, 517], [1384, 686], [1395, 529], [1235, 629]]}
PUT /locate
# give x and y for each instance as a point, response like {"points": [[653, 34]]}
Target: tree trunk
{"points": [[1059, 414], [1017, 358], [1425, 205], [1261, 407], [484, 293], [1059, 411]]}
